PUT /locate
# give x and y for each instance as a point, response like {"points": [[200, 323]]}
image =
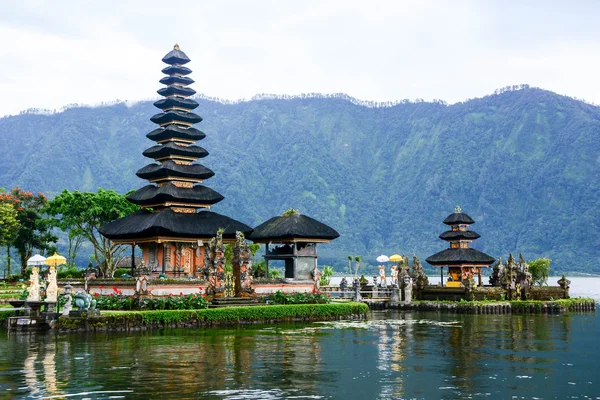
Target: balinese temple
{"points": [[293, 238], [462, 261], [174, 220]]}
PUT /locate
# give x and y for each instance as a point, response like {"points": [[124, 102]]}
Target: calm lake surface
{"points": [[393, 355]]}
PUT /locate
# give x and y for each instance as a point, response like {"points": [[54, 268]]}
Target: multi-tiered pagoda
{"points": [[174, 220], [463, 262]]}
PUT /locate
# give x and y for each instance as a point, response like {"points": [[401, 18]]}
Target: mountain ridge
{"points": [[518, 161]]}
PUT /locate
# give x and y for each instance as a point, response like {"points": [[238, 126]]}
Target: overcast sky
{"points": [[58, 52]]}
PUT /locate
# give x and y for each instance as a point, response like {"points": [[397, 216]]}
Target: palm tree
{"points": [[358, 259], [350, 258]]}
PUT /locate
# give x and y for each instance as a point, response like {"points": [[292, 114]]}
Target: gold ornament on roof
{"points": [[176, 47], [457, 209]]}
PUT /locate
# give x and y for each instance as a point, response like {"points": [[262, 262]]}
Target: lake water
{"points": [[393, 355]]}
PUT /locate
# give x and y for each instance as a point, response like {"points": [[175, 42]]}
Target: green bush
{"points": [[119, 272], [298, 298], [237, 314], [68, 272], [119, 301]]}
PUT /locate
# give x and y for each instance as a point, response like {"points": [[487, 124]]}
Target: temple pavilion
{"points": [[293, 238], [174, 220], [463, 262]]}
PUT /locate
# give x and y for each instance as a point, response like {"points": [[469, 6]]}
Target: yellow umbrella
{"points": [[395, 258], [55, 260]]}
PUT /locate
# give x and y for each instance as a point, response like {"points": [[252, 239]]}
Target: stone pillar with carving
{"points": [[216, 277], [509, 282], [524, 278], [497, 273], [407, 289], [246, 269], [237, 262], [418, 276]]}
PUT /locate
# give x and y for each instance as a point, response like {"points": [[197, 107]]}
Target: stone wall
{"points": [[488, 293], [546, 293]]}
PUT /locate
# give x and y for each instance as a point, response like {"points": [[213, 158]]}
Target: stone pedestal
{"points": [[394, 294]]}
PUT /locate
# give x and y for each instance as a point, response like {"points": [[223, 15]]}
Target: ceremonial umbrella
{"points": [[383, 258], [395, 258], [56, 260], [36, 260]]}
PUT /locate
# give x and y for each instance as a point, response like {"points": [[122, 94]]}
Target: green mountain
{"points": [[525, 164]]}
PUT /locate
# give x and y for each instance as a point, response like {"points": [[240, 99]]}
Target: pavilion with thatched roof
{"points": [[295, 239]]}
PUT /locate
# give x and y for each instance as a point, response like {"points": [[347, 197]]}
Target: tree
{"points": [[358, 259], [9, 226], [84, 213], [350, 264], [540, 269], [34, 231]]}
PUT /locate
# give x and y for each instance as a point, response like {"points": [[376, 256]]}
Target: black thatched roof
{"points": [[176, 69], [459, 218], [144, 224], [151, 195], [459, 235], [176, 79], [292, 227], [175, 131], [175, 116], [188, 104], [176, 56], [176, 91], [171, 169], [460, 256], [171, 149]]}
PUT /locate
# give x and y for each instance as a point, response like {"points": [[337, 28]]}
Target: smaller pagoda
{"points": [[462, 261], [293, 238]]}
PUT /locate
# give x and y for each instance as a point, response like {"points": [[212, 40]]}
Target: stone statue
{"points": [[418, 275], [84, 301], [497, 273], [524, 278], [564, 283], [356, 287], [382, 278], [394, 274], [69, 304], [51, 286], [469, 284], [34, 285], [509, 282], [316, 276], [407, 289], [242, 265]]}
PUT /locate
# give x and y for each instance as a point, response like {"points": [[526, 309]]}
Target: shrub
{"points": [[119, 272], [298, 298]]}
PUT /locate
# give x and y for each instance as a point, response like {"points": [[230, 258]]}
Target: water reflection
{"points": [[394, 355]]}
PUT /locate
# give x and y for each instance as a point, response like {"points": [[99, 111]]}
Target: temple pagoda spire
{"points": [[175, 178], [174, 221], [463, 262]]}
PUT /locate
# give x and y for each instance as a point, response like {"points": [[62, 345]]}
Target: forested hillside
{"points": [[524, 164]]}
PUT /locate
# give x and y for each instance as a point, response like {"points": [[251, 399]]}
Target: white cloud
{"points": [[57, 53]]}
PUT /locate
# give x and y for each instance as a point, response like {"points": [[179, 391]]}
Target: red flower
{"points": [[96, 294], [282, 285], [181, 293], [200, 287], [100, 286]]}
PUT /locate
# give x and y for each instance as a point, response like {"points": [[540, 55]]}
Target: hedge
{"points": [[126, 320]]}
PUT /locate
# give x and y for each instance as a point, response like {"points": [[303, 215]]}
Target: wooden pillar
{"points": [[266, 260], [133, 259], [479, 274], [442, 276], [164, 260], [295, 261]]}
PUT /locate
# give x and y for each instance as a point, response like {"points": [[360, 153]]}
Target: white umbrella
{"points": [[36, 260], [383, 258]]}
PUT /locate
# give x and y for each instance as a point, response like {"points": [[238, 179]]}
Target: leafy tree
{"points": [[540, 269], [34, 231], [9, 226], [84, 213]]}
